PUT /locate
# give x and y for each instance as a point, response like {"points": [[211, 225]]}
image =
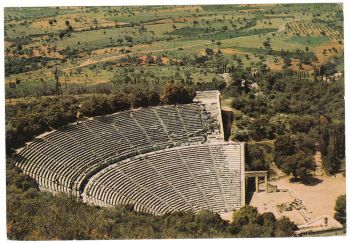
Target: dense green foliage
{"points": [[274, 105], [340, 210], [208, 33], [293, 154], [26, 120], [105, 104], [255, 157], [247, 222], [332, 144], [285, 93], [175, 94], [14, 65]]}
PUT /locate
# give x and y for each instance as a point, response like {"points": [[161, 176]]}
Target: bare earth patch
{"points": [[233, 51], [319, 49], [278, 67], [318, 197], [165, 60]]}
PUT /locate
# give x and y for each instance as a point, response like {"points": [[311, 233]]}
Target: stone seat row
{"points": [[175, 179], [63, 158]]}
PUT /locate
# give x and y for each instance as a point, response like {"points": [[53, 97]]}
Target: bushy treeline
{"points": [[340, 210], [35, 215], [292, 153], [15, 65], [28, 119], [105, 104], [248, 223], [263, 92], [286, 94], [25, 120], [274, 105]]}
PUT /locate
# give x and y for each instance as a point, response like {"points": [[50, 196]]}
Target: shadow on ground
{"points": [[308, 181]]}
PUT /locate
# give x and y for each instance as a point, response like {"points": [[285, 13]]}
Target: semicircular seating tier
{"points": [[205, 176], [64, 159]]}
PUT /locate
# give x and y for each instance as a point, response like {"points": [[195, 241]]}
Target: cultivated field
{"points": [[89, 44]]}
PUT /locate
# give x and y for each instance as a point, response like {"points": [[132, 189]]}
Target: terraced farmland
{"points": [[313, 29]]}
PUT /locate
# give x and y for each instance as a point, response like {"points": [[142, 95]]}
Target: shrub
{"points": [[175, 94], [96, 105], [340, 210]]}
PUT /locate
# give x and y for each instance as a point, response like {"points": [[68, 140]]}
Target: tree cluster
{"points": [[96, 105], [332, 146], [285, 104], [294, 155], [248, 223], [16, 65], [255, 157], [340, 210], [28, 119], [175, 94]]}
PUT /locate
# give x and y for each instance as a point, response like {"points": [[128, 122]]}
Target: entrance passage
{"points": [[257, 175]]}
